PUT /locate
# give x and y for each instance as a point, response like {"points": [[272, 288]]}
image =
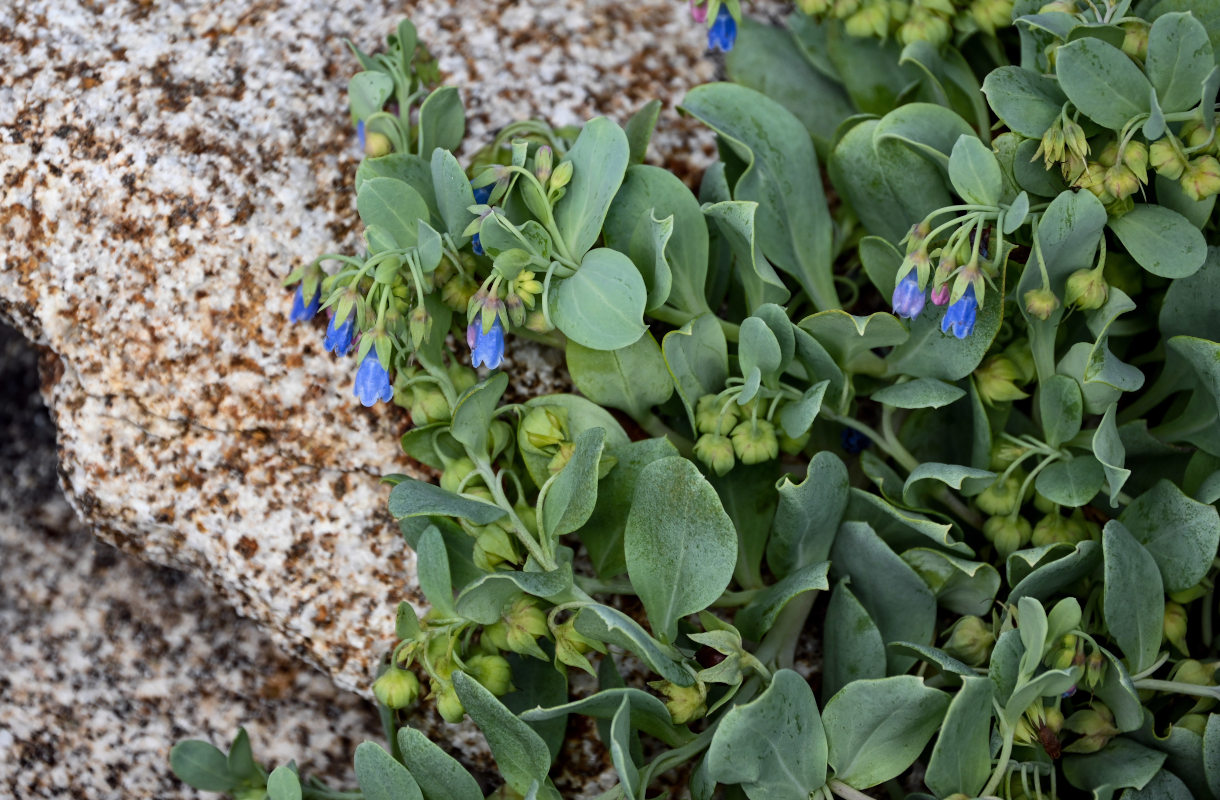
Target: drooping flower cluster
{"points": [[960, 285], [722, 31]]}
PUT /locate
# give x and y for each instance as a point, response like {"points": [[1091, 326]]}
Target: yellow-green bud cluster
{"points": [[970, 641], [932, 21]]}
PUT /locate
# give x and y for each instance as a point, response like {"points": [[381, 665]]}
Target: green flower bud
{"points": [[813, 7], [545, 426], [991, 14], [543, 162], [716, 452], [754, 441], [463, 377], [1086, 288], [428, 405], [685, 703], [458, 292], [997, 380], [1009, 534], [1041, 303], [1053, 719], [1188, 595], [1120, 181], [1081, 529], [492, 671], [1095, 726], [1094, 670], [514, 306], [396, 688], [1003, 453], [1175, 626], [254, 793], [1166, 159], [447, 703], [536, 322], [495, 636], [924, 26], [1201, 179], [563, 454], [1094, 179], [970, 641], [1001, 497], [561, 176], [518, 628], [792, 446], [1052, 148], [1135, 38], [1193, 672], [714, 415], [377, 145], [1135, 157], [1196, 723], [1051, 529], [1074, 139], [570, 647], [872, 20], [455, 472], [493, 547]]}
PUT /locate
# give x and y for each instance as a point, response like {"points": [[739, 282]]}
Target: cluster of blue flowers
{"points": [[909, 299], [372, 379]]}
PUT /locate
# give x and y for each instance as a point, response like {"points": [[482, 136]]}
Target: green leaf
{"points": [[572, 495], [620, 750], [1109, 450], [1120, 764], [902, 605], [928, 130], [472, 414], [901, 528], [1211, 753], [1189, 305], [1061, 409], [671, 257], [1204, 357], [442, 121], [768, 59], [975, 172], [1179, 59], [393, 206], [1163, 241], [1026, 102], [520, 753], [933, 655], [774, 746], [1102, 82], [602, 535], [961, 757], [242, 765], [698, 360], [964, 587], [1163, 786], [808, 515], [868, 68], [735, 219], [680, 545], [582, 415], [283, 784], [1071, 483], [1134, 600], [849, 339], [634, 378], [612, 626], [602, 305], [440, 776], [757, 618], [639, 130], [852, 648], [952, 475], [1031, 174], [888, 185], [796, 417], [453, 194], [202, 766], [919, 393], [876, 729], [949, 80], [648, 714], [413, 498], [1052, 576], [881, 261], [484, 599], [432, 570], [381, 777], [599, 160], [1181, 534], [794, 225], [367, 93]]}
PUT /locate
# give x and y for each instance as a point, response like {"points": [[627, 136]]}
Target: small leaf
{"points": [[1028, 103], [442, 121], [599, 159], [1179, 60], [572, 495], [876, 729], [602, 305], [381, 777], [413, 498], [1182, 535], [202, 766], [283, 784], [919, 393], [757, 618], [394, 206], [808, 515], [620, 749], [633, 378], [639, 130], [961, 758], [975, 172], [1120, 764], [1162, 241], [1102, 82], [1109, 450], [612, 626], [648, 714], [440, 776], [680, 544], [474, 409], [1134, 599], [1071, 483], [1061, 408], [853, 649], [520, 753]]}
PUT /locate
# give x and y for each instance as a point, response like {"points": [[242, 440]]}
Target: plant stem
{"points": [[1178, 688], [846, 792]]}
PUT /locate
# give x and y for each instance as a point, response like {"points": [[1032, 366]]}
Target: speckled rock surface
{"points": [[162, 166], [107, 661]]}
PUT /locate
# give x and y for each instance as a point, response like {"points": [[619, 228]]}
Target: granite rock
{"points": [[163, 166]]}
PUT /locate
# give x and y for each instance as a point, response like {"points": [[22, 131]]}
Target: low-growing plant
{"points": [[984, 525]]}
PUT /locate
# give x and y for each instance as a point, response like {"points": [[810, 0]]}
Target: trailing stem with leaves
{"points": [[994, 513]]}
